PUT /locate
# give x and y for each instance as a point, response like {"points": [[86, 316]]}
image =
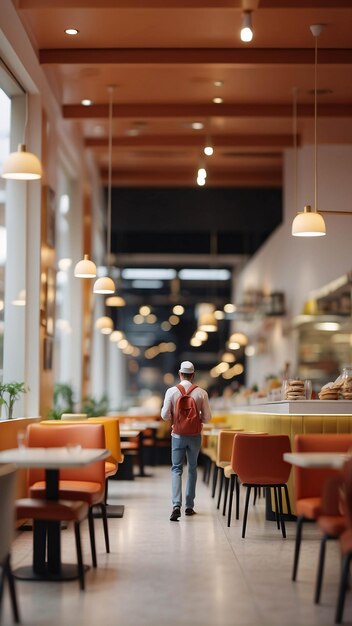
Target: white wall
{"points": [[296, 265]]}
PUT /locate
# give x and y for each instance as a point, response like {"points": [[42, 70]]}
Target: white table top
{"points": [[53, 458], [333, 460], [128, 432]]}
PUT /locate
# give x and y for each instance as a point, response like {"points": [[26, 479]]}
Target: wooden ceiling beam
{"points": [[187, 178], [180, 4], [201, 111], [191, 141], [194, 56]]}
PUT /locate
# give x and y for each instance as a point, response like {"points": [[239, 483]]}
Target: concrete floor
{"points": [[194, 572]]}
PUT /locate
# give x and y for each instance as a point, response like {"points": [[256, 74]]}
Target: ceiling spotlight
{"points": [[71, 31], [197, 125], [208, 150], [218, 83], [86, 102], [217, 100], [246, 30]]}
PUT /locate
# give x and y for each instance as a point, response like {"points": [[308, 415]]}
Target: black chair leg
{"points": [[277, 513], [220, 488], [10, 579], [232, 486], [255, 495], [320, 572], [283, 527], [105, 525], [288, 504], [342, 588], [300, 520], [209, 471], [245, 514], [92, 536], [79, 556], [237, 484], [227, 482], [215, 480]]}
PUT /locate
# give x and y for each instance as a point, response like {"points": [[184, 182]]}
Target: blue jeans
{"points": [[185, 446]]}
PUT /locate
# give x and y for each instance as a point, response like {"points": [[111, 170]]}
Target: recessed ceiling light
{"points": [[218, 83], [132, 132], [135, 273], [217, 100], [197, 125], [71, 31], [86, 102]]}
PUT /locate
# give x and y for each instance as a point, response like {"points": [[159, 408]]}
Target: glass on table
{"points": [[308, 389], [21, 439]]}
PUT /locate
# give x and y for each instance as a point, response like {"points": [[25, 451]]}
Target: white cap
{"points": [[187, 367]]}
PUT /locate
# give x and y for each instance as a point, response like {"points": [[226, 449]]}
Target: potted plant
{"points": [[14, 391], [2, 399], [63, 401]]}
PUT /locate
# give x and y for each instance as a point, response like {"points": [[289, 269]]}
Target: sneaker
{"points": [[190, 511], [176, 513]]}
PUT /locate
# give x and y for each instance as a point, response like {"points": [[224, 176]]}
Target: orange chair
{"points": [[345, 542], [308, 482], [232, 481], [331, 522], [7, 521], [86, 483], [57, 511], [258, 462], [223, 458]]}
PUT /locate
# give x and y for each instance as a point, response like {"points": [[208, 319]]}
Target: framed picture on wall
{"points": [[50, 301], [48, 353], [49, 213]]}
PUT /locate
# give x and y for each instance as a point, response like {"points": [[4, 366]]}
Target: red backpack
{"points": [[186, 420]]}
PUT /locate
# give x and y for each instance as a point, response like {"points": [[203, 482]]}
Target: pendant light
{"points": [[105, 284], [85, 268], [22, 165], [115, 301], [105, 325], [246, 28], [310, 223]]}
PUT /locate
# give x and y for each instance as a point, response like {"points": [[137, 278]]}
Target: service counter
{"points": [[292, 418]]}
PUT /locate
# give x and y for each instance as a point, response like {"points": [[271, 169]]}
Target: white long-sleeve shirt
{"points": [[200, 396]]}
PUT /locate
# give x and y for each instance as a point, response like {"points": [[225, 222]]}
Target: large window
{"points": [[5, 112]]}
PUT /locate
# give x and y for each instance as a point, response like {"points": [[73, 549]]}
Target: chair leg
{"points": [[300, 520], [245, 514], [342, 588], [232, 486], [12, 589], [92, 536], [288, 504], [255, 495], [227, 482], [79, 556], [209, 471], [215, 480], [105, 525], [277, 513], [220, 488], [283, 527], [237, 485], [320, 572]]}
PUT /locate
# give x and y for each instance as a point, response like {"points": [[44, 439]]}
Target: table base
{"points": [[68, 571]]}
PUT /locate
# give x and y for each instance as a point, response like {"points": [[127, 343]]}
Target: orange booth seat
{"points": [[112, 438]]}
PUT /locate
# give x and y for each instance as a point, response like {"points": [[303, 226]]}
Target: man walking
{"points": [[188, 407]]}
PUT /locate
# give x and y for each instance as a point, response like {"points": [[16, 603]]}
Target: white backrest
{"points": [[7, 508]]}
